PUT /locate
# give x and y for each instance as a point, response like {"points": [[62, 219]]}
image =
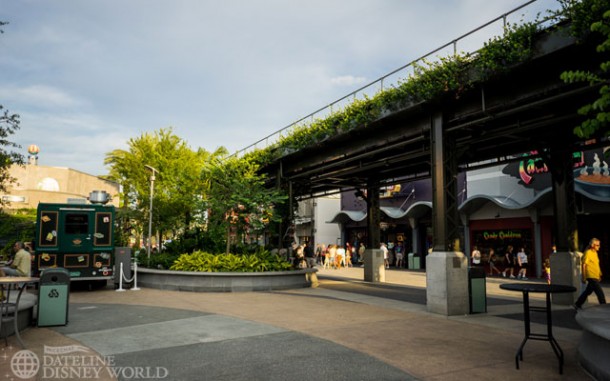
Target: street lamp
{"points": [[150, 210]]}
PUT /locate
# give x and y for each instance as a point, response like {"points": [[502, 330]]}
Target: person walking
{"points": [[522, 263], [491, 259], [510, 262], [591, 274]]}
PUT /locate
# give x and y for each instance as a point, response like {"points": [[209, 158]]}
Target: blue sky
{"points": [[86, 76]]}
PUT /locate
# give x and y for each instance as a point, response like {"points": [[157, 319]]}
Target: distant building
{"points": [[312, 220], [35, 184]]}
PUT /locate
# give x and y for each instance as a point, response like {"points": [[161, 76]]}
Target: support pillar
{"points": [[447, 267], [374, 267], [373, 215], [565, 264]]}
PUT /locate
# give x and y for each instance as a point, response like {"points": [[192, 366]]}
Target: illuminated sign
{"points": [[501, 234], [532, 166]]}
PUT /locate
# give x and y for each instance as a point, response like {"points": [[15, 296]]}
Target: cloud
{"points": [[347, 80], [39, 96]]}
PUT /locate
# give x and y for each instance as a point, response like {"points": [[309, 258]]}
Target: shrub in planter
{"points": [[205, 262]]}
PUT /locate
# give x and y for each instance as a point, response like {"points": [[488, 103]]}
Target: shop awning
{"points": [[416, 210]]}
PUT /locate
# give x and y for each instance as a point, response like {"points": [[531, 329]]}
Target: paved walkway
{"points": [[345, 329]]}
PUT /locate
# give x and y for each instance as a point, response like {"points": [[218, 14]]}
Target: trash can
{"points": [[477, 289], [53, 293], [413, 261]]}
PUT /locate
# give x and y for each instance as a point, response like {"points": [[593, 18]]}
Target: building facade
{"points": [[500, 205], [35, 184]]}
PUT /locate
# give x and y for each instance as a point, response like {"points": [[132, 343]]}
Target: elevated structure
{"points": [[529, 109]]}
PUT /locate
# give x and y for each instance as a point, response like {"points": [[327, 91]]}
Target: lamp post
{"points": [[150, 209]]}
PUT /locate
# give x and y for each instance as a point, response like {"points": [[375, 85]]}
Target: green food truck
{"points": [[76, 236]]}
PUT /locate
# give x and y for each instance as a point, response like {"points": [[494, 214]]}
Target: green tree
{"points": [[177, 185], [237, 201], [598, 112]]}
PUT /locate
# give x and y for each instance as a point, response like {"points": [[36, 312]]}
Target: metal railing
{"points": [[405, 71]]}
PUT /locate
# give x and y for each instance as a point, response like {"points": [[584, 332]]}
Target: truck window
{"points": [[77, 223]]}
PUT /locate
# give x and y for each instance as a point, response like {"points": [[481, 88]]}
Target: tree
{"points": [[236, 200], [598, 112], [177, 185]]}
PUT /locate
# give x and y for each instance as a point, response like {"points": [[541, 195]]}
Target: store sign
{"points": [[501, 235], [530, 167]]}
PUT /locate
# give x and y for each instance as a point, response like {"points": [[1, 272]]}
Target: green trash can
{"points": [[53, 294], [477, 288], [413, 261]]}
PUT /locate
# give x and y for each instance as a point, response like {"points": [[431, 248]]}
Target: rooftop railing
{"points": [[467, 43]]}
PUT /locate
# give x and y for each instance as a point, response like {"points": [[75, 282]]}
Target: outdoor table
{"points": [[6, 304], [549, 289]]}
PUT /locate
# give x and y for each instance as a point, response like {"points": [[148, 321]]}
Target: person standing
{"points": [[361, 251], [591, 274], [310, 256], [475, 256], [385, 255], [399, 250], [340, 256], [522, 262]]}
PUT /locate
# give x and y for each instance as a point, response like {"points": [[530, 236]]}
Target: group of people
{"points": [[590, 268], [512, 261], [337, 256]]}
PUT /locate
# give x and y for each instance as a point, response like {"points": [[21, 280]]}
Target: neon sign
{"points": [[494, 235], [532, 166]]}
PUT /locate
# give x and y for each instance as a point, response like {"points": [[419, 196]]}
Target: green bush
{"points": [[205, 262], [157, 260]]}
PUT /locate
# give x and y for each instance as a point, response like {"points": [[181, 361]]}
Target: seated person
{"points": [[21, 265]]}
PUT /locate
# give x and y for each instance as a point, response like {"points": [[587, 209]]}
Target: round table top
{"points": [[538, 287], [18, 279]]}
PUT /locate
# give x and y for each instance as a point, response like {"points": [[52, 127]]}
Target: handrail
{"points": [[381, 79]]}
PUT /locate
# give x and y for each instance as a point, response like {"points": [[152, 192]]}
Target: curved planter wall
{"points": [[594, 347], [225, 282]]}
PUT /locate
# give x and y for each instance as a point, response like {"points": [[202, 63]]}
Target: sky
{"points": [[87, 76]]}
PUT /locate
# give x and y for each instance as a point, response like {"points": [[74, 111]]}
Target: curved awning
{"points": [[347, 216], [476, 202], [470, 206], [416, 210]]}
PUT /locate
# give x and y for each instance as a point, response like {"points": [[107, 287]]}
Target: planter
{"points": [[226, 282]]}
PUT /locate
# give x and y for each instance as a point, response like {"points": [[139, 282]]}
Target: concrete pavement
{"points": [[344, 329]]}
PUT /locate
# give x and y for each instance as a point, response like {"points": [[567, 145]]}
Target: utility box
{"points": [[477, 288], [122, 255], [53, 295]]}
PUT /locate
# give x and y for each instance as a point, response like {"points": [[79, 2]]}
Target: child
{"points": [[547, 270]]}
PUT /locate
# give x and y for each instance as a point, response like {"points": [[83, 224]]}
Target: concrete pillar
{"points": [[565, 269], [447, 283], [374, 268]]}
